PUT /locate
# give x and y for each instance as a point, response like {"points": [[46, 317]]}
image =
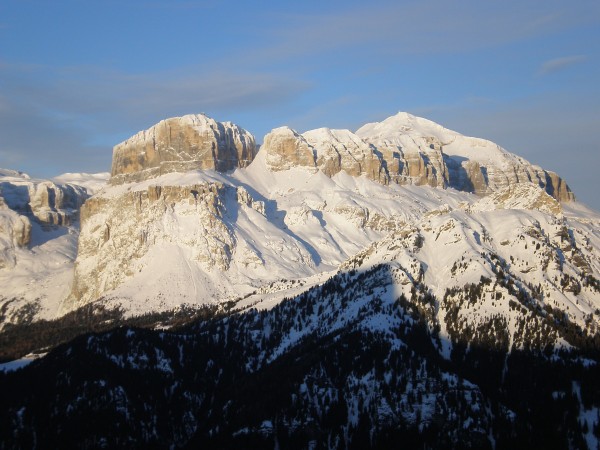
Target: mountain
{"points": [[351, 363], [421, 152], [180, 144], [405, 149], [334, 289], [304, 205], [38, 241]]}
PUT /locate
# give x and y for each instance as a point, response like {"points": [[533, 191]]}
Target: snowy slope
{"points": [[38, 241], [247, 230], [262, 233], [92, 182]]}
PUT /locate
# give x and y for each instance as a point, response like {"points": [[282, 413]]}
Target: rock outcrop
{"points": [[405, 149], [47, 202], [24, 201], [338, 150], [330, 151], [421, 152], [181, 144], [526, 196], [15, 232], [285, 149], [55, 204]]}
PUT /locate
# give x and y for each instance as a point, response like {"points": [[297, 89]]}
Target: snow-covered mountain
{"points": [[310, 202], [177, 226], [38, 241], [405, 149], [402, 283]]}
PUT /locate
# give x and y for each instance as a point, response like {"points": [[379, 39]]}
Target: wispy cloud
{"points": [[557, 64], [179, 4], [411, 28]]}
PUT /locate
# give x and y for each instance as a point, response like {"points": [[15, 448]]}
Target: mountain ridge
{"points": [[224, 231], [338, 291]]}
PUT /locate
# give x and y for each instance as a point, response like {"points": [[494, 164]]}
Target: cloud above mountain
{"points": [[558, 64]]}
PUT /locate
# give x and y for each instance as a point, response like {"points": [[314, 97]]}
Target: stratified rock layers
{"points": [[197, 222], [330, 151], [181, 144], [405, 149]]}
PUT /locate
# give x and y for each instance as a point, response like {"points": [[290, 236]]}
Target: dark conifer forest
{"points": [[342, 366]]}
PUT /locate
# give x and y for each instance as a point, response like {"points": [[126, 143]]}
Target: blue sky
{"points": [[77, 77]]}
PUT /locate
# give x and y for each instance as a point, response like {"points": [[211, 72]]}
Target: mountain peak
{"points": [[421, 152], [180, 144], [404, 123]]}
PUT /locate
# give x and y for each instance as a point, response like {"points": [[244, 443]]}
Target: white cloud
{"points": [[413, 28], [557, 64]]}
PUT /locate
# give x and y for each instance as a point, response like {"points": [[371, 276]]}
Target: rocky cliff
{"points": [[48, 202], [38, 243], [305, 204], [24, 201], [180, 144], [409, 150], [15, 232], [419, 151], [330, 151]]}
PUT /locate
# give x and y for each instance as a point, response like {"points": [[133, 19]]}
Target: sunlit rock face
{"points": [[421, 152], [181, 144], [307, 198], [409, 150], [285, 149], [25, 202], [342, 150], [330, 151]]}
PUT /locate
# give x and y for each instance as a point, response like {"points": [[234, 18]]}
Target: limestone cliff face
{"points": [[180, 144], [285, 148], [420, 152], [117, 231], [557, 187], [338, 150], [47, 202], [405, 149], [15, 232], [56, 204], [24, 201], [330, 151]]}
